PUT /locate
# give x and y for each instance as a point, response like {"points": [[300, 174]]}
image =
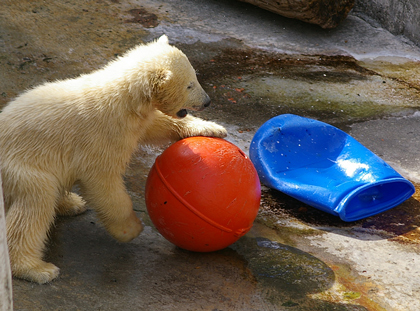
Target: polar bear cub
{"points": [[83, 131]]}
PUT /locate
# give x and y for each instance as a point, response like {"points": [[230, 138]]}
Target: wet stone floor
{"points": [[295, 257]]}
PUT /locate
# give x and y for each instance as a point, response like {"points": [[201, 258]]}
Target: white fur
{"points": [[84, 131]]}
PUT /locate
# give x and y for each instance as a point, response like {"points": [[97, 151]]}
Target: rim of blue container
{"points": [[342, 211]]}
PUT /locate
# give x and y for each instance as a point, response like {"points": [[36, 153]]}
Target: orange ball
{"points": [[203, 194]]}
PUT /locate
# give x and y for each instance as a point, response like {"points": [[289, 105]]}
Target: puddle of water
{"points": [[286, 272], [360, 98], [290, 277], [252, 86]]}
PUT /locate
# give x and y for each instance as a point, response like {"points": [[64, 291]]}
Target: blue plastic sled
{"points": [[326, 168]]}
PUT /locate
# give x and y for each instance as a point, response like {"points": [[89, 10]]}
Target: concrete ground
{"points": [[255, 65]]}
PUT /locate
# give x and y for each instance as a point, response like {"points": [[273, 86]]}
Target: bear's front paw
{"points": [[204, 128], [215, 130], [126, 230], [40, 272]]}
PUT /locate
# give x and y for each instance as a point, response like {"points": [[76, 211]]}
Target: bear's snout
{"points": [[202, 104], [207, 102]]}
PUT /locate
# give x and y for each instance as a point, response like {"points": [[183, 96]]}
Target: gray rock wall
{"points": [[400, 17]]}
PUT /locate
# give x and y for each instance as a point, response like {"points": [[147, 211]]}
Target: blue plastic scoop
{"points": [[326, 168]]}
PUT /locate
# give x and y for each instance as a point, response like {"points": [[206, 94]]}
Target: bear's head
{"points": [[175, 87]]}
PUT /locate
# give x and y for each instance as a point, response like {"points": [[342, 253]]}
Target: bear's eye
{"points": [[190, 86]]}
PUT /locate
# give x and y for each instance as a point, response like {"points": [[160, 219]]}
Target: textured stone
{"points": [[327, 14], [400, 17]]}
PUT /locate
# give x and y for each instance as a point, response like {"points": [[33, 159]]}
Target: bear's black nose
{"points": [[207, 102]]}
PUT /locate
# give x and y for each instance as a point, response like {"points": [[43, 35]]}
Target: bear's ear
{"points": [[163, 40], [159, 78]]}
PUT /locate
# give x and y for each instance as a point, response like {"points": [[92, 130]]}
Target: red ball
{"points": [[203, 194]]}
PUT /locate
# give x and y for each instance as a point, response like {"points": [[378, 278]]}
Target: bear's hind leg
{"points": [[70, 204], [28, 223]]}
